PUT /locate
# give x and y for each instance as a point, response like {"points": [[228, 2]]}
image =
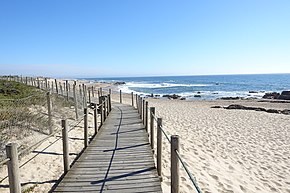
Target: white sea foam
{"points": [[162, 85]]}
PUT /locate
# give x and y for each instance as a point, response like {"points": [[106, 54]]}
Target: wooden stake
{"points": [[13, 168]]}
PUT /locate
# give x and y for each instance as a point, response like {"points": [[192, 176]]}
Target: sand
{"points": [[227, 150]]}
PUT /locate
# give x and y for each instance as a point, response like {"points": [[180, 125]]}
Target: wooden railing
{"points": [[173, 140], [103, 108]]}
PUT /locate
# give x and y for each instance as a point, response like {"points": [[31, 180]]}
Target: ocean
{"points": [[208, 87]]}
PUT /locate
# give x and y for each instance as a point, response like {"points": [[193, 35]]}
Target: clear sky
{"points": [[96, 38]]}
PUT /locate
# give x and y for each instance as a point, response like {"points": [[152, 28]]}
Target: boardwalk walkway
{"points": [[119, 159]]}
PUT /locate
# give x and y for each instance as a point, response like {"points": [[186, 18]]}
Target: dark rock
{"points": [[172, 96], [216, 107], [273, 111], [119, 83], [285, 95], [286, 112], [197, 96], [231, 98], [183, 98], [272, 95], [215, 93], [235, 107], [251, 91], [198, 92]]}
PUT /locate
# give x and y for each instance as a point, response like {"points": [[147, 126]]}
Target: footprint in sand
{"points": [[242, 188], [231, 167]]}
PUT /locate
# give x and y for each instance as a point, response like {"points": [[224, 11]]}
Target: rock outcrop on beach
{"points": [[272, 95], [119, 83], [172, 96], [241, 107], [231, 98], [285, 95]]}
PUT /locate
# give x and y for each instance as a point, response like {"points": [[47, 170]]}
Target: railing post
{"points": [[86, 127], [110, 102], [143, 111], [95, 118], [152, 114], [46, 83], [146, 116], [49, 112], [13, 168], [105, 109], [102, 113], [110, 91], [108, 105], [120, 96], [174, 164], [137, 101], [159, 148], [56, 86], [132, 95], [75, 101], [89, 95], [93, 95], [140, 106], [66, 88], [65, 146]]}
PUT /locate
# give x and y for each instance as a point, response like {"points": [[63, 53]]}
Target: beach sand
{"points": [[238, 151], [227, 150]]}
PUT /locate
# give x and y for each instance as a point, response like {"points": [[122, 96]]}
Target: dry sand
{"points": [[227, 150]]}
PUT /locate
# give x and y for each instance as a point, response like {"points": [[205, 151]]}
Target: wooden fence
{"points": [[103, 108], [175, 157]]}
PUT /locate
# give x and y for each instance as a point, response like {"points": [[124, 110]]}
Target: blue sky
{"points": [[96, 38]]}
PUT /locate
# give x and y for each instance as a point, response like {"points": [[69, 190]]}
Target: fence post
{"points": [[13, 168], [159, 148], [52, 89], [86, 127], [102, 111], [152, 113], [146, 116], [46, 84], [65, 146], [95, 118], [101, 91], [137, 102], [75, 101], [143, 112], [110, 91], [66, 88], [93, 95], [38, 83], [120, 96], [89, 92], [132, 99], [49, 112], [174, 164], [105, 109], [110, 102], [56, 86]]}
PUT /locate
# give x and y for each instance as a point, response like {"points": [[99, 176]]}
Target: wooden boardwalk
{"points": [[119, 159]]}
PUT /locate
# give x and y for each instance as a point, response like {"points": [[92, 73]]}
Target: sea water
{"points": [[207, 87]]}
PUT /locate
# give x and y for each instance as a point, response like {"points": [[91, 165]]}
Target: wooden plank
{"points": [[119, 159]]}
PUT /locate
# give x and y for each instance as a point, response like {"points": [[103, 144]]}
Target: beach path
{"points": [[118, 159]]}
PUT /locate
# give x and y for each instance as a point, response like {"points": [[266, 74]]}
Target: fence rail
{"points": [[82, 100], [173, 140]]}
